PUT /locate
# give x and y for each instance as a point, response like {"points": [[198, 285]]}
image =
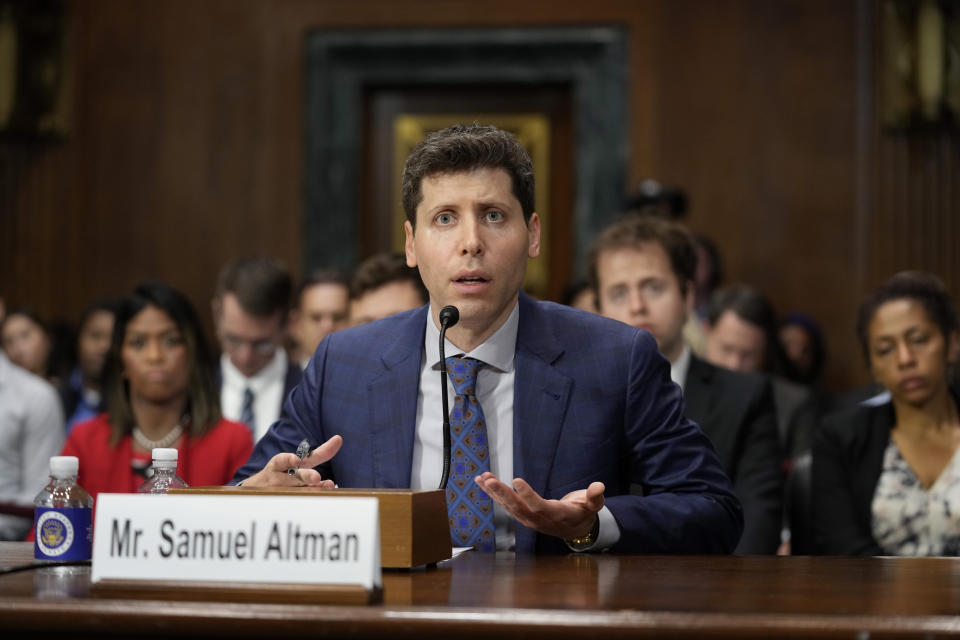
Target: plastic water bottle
{"points": [[62, 516], [164, 475]]}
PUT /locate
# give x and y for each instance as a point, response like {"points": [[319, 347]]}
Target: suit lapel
{"points": [[541, 395], [696, 392], [393, 405]]}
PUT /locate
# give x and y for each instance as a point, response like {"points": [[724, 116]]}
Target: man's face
{"points": [[323, 310], [736, 344], [248, 340], [471, 245], [637, 286], [386, 300]]}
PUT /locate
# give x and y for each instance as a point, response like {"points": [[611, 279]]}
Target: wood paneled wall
{"points": [[186, 145]]}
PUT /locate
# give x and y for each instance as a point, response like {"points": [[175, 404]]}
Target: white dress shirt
{"points": [[495, 383], [31, 431], [679, 368], [267, 388]]}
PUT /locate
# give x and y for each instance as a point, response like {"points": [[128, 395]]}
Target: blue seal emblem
{"points": [[54, 533]]}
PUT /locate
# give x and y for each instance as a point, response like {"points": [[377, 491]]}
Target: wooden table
{"points": [[501, 596]]}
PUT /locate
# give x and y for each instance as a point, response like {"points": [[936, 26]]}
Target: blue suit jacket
{"points": [[593, 400]]}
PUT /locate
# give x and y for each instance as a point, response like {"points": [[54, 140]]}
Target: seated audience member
{"points": [[322, 307], [382, 286], [250, 309], [886, 477], [741, 336], [801, 342], [81, 395], [643, 270], [160, 392], [555, 412], [708, 278], [27, 341], [31, 430], [580, 295]]}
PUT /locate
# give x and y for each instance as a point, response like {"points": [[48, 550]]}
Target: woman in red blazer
{"points": [[159, 392]]}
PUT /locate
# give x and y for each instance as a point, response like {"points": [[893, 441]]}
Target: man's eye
{"points": [[653, 287], [494, 215], [444, 218]]}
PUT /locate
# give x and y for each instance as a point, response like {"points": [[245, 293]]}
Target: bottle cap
{"points": [[64, 466], [165, 454]]}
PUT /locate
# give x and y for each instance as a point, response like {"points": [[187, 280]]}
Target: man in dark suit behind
{"points": [[577, 408], [642, 269], [251, 310]]}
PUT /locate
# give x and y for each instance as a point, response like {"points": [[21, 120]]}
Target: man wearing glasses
{"points": [[250, 310]]}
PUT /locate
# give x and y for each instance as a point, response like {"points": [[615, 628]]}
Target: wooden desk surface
{"points": [[489, 596]]}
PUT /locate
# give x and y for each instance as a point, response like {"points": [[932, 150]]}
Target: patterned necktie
{"points": [[469, 508], [246, 413]]}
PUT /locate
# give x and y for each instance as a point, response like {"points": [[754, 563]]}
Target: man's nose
{"points": [[470, 236], [638, 304]]}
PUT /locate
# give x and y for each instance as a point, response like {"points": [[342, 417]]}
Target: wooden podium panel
{"points": [[414, 529]]}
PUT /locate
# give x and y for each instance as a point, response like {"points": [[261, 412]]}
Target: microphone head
{"points": [[449, 316]]}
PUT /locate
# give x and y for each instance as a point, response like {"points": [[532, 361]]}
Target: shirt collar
{"points": [[274, 369], [497, 351], [679, 367]]}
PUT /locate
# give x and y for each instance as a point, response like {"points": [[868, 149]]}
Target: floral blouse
{"points": [[909, 520]]}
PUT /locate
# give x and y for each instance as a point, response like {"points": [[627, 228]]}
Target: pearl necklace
{"points": [[162, 443]]}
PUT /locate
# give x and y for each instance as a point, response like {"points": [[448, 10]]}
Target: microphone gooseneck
{"points": [[449, 316]]}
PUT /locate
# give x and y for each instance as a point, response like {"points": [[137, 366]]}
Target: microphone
{"points": [[449, 316]]}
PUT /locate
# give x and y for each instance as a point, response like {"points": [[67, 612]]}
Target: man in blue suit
{"points": [[578, 409]]}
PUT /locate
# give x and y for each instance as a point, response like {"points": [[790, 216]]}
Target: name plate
{"points": [[204, 538]]}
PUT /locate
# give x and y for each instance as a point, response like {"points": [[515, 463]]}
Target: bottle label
{"points": [[62, 534]]}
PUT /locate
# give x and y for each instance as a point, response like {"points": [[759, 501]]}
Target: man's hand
{"points": [[274, 474], [570, 517]]}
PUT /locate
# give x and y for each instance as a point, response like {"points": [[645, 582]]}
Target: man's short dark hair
{"points": [[633, 231], [753, 307], [748, 303], [262, 285], [923, 288], [321, 276], [463, 148], [385, 268]]}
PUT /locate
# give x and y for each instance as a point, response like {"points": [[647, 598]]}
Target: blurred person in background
{"points": [[741, 336], [580, 295], [27, 341], [251, 310], [886, 477], [160, 392], [322, 306], [802, 343], [642, 269], [81, 394], [384, 285], [31, 430]]}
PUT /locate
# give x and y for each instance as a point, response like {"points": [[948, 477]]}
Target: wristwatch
{"points": [[584, 542]]}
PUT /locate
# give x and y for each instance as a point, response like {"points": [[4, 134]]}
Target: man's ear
{"points": [[409, 245]]}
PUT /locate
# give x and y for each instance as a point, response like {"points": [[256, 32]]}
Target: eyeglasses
{"points": [[263, 347]]}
